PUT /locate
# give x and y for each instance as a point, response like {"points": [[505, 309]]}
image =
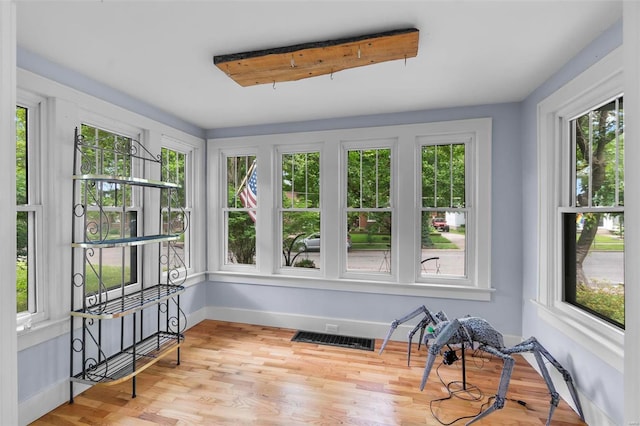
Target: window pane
{"points": [[599, 156], [113, 265], [242, 193], [22, 196], [369, 178], [106, 210], [241, 238], [594, 268], [176, 255], [301, 239], [301, 180], [24, 220], [443, 175], [242, 175], [301, 210], [22, 261], [443, 242], [104, 152], [369, 241], [174, 170]]}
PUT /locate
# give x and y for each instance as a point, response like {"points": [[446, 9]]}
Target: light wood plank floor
{"points": [[236, 374]]}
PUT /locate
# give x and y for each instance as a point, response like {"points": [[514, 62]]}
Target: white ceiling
{"points": [[470, 52]]}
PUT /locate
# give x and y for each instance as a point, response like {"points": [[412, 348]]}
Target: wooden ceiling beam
{"points": [[307, 60]]}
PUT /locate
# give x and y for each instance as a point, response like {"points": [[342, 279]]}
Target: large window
{"points": [[581, 209], [593, 220], [443, 209], [28, 209], [358, 209]]}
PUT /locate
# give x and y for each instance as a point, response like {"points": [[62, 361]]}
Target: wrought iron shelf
{"points": [[133, 360], [127, 242], [126, 305], [127, 180], [109, 207]]}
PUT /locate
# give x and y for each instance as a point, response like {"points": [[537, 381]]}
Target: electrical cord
{"points": [[468, 392], [457, 393]]}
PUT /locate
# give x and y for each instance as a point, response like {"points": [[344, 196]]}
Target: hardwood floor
{"points": [[236, 374]]}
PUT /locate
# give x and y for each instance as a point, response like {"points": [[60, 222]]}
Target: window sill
{"points": [[448, 291], [600, 338], [41, 332]]}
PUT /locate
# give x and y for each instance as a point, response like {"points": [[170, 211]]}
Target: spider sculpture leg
{"points": [[420, 310], [422, 325], [539, 351], [505, 378]]}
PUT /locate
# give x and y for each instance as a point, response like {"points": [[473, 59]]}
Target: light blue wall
{"points": [[601, 383]]}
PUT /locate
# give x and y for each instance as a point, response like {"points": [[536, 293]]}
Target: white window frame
{"points": [[599, 83], [36, 122], [223, 229], [406, 221], [472, 182], [365, 145]]}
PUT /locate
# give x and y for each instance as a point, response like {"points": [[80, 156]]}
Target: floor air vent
{"points": [[334, 340]]}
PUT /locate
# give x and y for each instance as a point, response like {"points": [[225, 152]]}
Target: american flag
{"points": [[249, 195]]}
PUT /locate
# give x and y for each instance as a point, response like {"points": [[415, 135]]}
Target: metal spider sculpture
{"points": [[429, 318], [474, 329]]}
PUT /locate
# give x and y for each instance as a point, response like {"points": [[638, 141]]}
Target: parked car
{"points": [[440, 223], [312, 242]]}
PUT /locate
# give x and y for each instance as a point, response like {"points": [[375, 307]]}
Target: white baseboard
{"points": [[592, 414], [346, 327]]}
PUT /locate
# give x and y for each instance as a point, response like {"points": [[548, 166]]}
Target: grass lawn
{"points": [[607, 242], [111, 277]]}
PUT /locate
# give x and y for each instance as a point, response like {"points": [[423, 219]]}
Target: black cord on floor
{"points": [[469, 393]]}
